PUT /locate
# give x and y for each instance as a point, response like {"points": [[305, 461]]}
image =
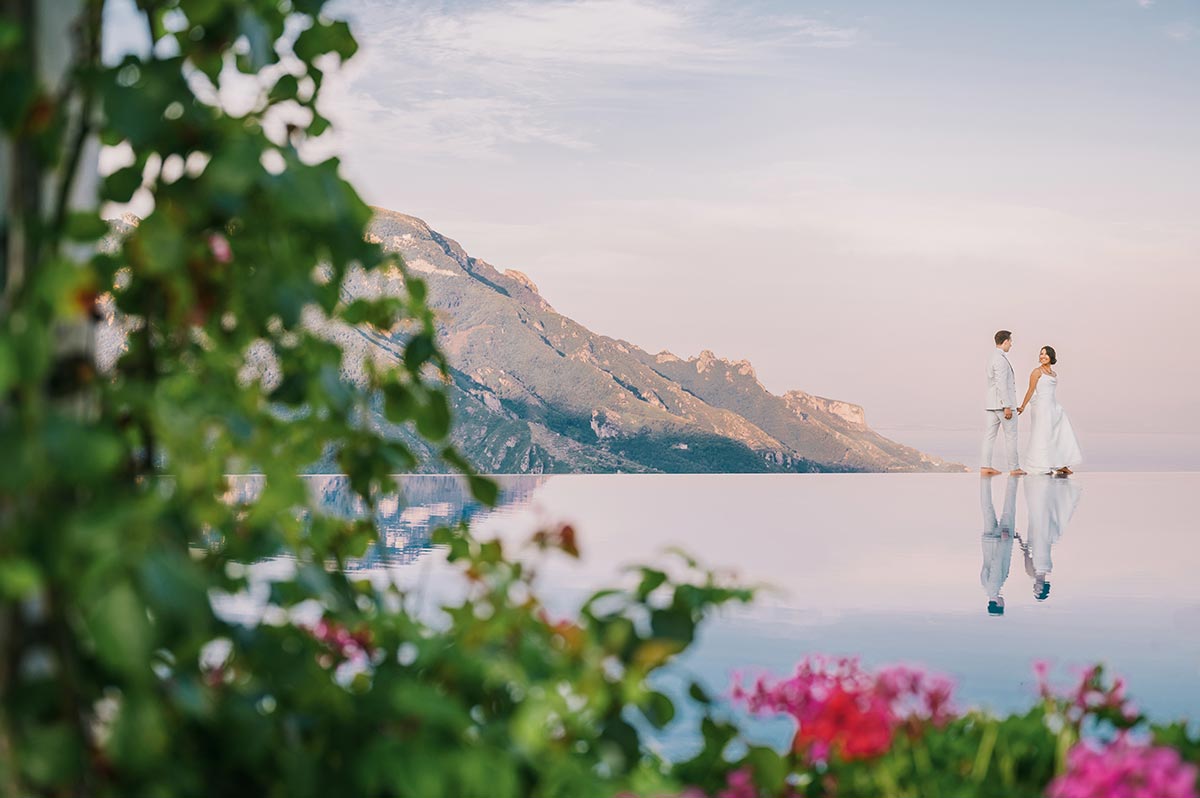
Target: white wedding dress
{"points": [[1052, 442]]}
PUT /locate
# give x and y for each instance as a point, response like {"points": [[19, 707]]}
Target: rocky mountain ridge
{"points": [[536, 391]]}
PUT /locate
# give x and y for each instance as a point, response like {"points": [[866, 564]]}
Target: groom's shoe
{"points": [[1017, 473], [988, 472]]}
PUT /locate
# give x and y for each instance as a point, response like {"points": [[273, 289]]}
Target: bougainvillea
{"points": [[843, 710], [1124, 770]]}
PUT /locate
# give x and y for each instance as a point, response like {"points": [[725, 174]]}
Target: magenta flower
{"points": [[1090, 695], [842, 709], [1124, 770], [739, 784]]}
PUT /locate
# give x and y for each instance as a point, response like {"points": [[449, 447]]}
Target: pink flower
{"points": [[1124, 770], [1091, 695], [219, 246], [346, 645], [739, 784], [844, 710]]}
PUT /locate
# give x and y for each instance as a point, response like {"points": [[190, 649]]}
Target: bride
{"points": [[1052, 444]]}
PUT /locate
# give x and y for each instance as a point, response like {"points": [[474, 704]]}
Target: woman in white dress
{"points": [[1052, 443]]}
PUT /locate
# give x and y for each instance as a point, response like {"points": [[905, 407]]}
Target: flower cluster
{"points": [[1089, 696], [347, 646], [1124, 770], [844, 710]]}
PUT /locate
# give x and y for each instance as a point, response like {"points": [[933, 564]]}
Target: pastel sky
{"points": [[854, 196]]}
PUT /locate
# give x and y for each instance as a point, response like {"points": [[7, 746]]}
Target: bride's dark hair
{"points": [[1050, 354]]}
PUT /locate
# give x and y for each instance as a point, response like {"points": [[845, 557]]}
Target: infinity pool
{"points": [[894, 568]]}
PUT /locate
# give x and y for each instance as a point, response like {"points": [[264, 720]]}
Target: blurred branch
{"points": [[87, 31]]}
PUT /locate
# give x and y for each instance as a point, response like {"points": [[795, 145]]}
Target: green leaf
{"points": [[658, 709], [326, 37], [399, 403], [120, 185], [11, 35], [652, 579], [9, 368], [484, 490], [284, 89], [162, 247], [50, 755], [770, 769], [434, 419], [85, 226], [318, 126], [416, 289], [19, 578], [418, 351], [140, 736], [120, 630]]}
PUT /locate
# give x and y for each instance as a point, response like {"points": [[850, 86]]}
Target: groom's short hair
{"points": [[1002, 336]]}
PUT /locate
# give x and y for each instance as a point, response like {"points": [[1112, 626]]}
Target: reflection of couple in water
{"points": [[1050, 502]]}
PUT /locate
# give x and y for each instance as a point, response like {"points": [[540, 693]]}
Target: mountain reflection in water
{"points": [[406, 520]]}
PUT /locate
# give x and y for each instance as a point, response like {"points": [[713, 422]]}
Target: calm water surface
{"points": [[894, 568]]}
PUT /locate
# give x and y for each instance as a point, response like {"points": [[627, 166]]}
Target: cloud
{"points": [[1182, 31], [1145, 3], [474, 81]]}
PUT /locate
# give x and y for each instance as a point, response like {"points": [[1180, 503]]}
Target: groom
{"points": [[1001, 404]]}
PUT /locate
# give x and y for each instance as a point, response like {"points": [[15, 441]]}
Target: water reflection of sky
{"points": [[891, 567]]}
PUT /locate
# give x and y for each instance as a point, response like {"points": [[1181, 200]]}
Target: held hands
{"points": [[1008, 413]]}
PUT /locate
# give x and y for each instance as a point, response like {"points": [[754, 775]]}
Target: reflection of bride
{"points": [[1051, 502], [997, 542]]}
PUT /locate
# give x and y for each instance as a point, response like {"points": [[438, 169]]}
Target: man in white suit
{"points": [[1001, 408]]}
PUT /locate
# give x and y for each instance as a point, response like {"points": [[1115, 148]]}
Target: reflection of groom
{"points": [[1001, 404], [997, 542]]}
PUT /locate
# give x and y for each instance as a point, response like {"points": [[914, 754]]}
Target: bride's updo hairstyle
{"points": [[1050, 354]]}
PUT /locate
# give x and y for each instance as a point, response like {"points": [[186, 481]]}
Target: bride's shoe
{"points": [[1018, 473]]}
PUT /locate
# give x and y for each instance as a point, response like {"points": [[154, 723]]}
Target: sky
{"points": [[854, 196]]}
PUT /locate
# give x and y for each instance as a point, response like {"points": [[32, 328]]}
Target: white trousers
{"points": [[996, 420]]}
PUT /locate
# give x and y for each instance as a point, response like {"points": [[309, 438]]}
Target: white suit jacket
{"points": [[1002, 382]]}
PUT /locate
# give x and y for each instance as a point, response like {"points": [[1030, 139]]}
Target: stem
{"points": [[88, 63], [25, 190], [72, 707], [924, 766], [10, 632], [983, 757]]}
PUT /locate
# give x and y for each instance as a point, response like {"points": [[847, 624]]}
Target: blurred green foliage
{"points": [[118, 528], [117, 677]]}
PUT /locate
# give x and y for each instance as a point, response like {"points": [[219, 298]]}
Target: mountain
{"points": [[534, 391]]}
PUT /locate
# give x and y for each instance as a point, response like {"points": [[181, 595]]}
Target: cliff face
{"points": [[535, 391]]}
